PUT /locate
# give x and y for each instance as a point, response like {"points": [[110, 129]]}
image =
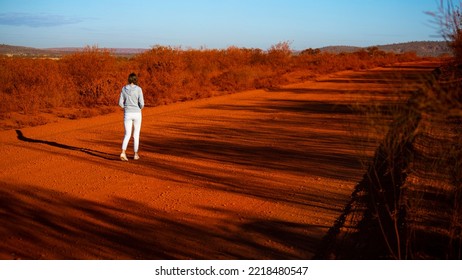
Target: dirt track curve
{"points": [[253, 175]]}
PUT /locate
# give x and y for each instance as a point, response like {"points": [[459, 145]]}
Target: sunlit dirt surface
{"points": [[254, 175]]}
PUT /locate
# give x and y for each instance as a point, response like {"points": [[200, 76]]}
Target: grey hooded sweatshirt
{"points": [[131, 99]]}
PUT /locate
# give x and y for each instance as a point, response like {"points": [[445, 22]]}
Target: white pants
{"points": [[132, 120]]}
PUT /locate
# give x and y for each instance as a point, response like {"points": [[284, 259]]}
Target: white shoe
{"points": [[136, 157], [123, 157]]}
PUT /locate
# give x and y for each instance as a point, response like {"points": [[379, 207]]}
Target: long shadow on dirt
{"points": [[43, 224], [87, 151]]}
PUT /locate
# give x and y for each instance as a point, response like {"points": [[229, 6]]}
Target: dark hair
{"points": [[132, 79]]}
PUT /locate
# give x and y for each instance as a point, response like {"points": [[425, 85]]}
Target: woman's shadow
{"points": [[91, 152]]}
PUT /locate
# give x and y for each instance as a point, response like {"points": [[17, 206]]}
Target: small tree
{"points": [[280, 55]]}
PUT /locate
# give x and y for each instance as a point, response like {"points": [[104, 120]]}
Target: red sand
{"points": [[253, 175]]}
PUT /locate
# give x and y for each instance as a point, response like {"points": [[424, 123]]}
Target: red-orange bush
{"points": [[96, 76], [28, 85], [162, 72]]}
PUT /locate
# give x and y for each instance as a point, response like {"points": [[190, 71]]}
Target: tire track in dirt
{"points": [[253, 175]]}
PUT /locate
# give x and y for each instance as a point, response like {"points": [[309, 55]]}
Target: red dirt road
{"points": [[253, 175]]}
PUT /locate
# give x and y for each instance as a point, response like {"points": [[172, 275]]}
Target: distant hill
{"points": [[23, 51], [57, 52], [117, 51], [421, 48], [340, 49]]}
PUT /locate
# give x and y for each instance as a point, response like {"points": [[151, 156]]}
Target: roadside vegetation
{"points": [[88, 83], [433, 196]]}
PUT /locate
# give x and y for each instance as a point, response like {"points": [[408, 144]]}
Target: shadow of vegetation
{"points": [[381, 230], [427, 67], [272, 157], [44, 224], [432, 222], [87, 151], [435, 195], [387, 76], [387, 228], [330, 92]]}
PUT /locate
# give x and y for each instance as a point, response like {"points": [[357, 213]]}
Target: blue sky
{"points": [[214, 23]]}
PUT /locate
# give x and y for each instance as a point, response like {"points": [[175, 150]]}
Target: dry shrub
{"points": [[324, 63], [280, 57], [95, 76], [27, 85], [200, 66], [448, 19], [161, 73], [234, 80]]}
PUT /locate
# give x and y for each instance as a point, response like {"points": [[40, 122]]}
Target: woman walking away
{"points": [[132, 101]]}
